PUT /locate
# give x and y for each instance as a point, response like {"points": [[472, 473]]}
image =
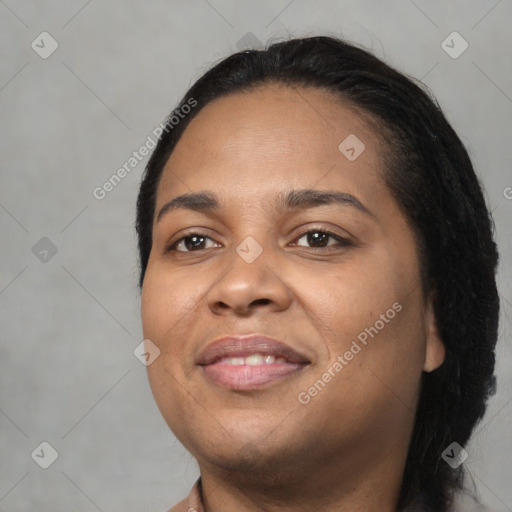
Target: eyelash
{"points": [[342, 242]]}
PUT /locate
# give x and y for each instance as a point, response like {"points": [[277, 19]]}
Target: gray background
{"points": [[69, 324]]}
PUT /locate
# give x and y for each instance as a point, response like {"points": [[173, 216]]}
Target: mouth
{"points": [[249, 362]]}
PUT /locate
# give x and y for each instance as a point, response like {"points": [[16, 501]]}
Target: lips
{"points": [[249, 362]]}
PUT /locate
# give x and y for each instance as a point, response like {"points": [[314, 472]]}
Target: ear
{"points": [[434, 347]]}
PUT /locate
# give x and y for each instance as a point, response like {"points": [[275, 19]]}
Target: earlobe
{"points": [[434, 347]]}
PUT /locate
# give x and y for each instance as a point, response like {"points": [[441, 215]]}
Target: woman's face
{"points": [[337, 281]]}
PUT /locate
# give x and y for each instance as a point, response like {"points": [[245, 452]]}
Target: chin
{"points": [[247, 452], [249, 463]]}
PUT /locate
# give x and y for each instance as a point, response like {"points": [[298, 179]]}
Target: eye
{"points": [[314, 238], [192, 242], [320, 238]]}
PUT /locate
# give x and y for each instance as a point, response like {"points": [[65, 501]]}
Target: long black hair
{"points": [[431, 177]]}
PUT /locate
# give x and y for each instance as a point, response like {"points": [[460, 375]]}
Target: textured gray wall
{"points": [[70, 320]]}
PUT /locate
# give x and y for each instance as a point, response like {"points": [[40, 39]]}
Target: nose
{"points": [[244, 288]]}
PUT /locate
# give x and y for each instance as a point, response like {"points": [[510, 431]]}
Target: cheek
{"points": [[347, 297], [167, 311], [369, 311], [167, 301]]}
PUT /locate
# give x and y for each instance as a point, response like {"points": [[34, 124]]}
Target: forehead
{"points": [[274, 135]]}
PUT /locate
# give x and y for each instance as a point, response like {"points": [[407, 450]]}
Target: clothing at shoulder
{"points": [[193, 502]]}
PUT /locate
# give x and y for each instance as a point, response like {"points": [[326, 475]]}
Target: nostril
{"points": [[261, 301]]}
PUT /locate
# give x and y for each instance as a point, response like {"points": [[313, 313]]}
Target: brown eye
{"points": [[318, 239], [190, 243]]}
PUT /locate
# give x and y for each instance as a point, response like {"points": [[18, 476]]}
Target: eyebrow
{"points": [[295, 199]]}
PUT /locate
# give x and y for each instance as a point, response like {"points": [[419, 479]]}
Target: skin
{"points": [[263, 449]]}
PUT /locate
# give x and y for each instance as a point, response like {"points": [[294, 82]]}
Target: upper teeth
{"points": [[252, 360]]}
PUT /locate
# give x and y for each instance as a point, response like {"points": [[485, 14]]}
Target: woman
{"points": [[318, 274]]}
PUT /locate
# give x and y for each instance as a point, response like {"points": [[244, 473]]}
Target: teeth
{"points": [[253, 360], [234, 360]]}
